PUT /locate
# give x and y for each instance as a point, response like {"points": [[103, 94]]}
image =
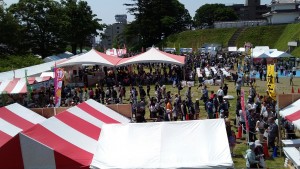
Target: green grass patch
{"points": [[274, 36]]}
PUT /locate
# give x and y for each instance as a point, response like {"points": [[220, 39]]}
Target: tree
{"points": [[41, 21], [80, 23], [155, 19], [10, 33], [207, 14]]}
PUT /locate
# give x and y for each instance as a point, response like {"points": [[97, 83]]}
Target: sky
{"points": [[107, 9]]}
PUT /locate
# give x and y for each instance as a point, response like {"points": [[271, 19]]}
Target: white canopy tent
{"points": [[92, 57], [260, 54], [232, 49], [188, 144], [153, 56], [280, 54]]}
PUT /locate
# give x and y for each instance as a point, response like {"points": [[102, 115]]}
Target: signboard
{"points": [[293, 44], [271, 81]]}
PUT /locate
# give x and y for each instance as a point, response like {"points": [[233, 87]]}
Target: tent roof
{"points": [[187, 144], [280, 54], [18, 85], [91, 57], [32, 70], [292, 113], [51, 74], [232, 48], [153, 56], [69, 139], [260, 54], [15, 118]]}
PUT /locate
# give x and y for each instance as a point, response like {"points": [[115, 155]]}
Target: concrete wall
{"points": [[281, 18]]}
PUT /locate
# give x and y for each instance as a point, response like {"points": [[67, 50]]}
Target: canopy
{"points": [[92, 57], [279, 54], [260, 54], [292, 113], [232, 49], [187, 144], [14, 118], [18, 85], [154, 56], [67, 140]]}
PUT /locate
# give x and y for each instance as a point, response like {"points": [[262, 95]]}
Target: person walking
{"points": [[291, 78]]}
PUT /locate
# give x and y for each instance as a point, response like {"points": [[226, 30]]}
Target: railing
{"points": [[240, 24]]}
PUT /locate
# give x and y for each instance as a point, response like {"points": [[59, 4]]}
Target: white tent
{"points": [[91, 57], [292, 113], [153, 56], [232, 49], [260, 54], [241, 50], [279, 54], [188, 144]]}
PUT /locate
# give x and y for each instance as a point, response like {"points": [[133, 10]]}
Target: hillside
{"points": [[275, 36]]}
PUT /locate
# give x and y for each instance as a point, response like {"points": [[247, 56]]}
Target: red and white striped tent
{"points": [[67, 140], [14, 119], [18, 85], [292, 113]]}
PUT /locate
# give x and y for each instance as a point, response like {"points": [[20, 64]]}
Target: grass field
{"points": [[241, 147]]}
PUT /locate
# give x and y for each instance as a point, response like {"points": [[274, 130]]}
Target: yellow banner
{"points": [[271, 81]]}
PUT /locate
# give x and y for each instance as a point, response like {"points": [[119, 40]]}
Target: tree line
{"points": [[47, 27]]}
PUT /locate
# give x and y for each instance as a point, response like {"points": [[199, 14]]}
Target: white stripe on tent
{"points": [[85, 116], [19, 86], [25, 113], [41, 156], [107, 111], [9, 128], [70, 134], [4, 85]]}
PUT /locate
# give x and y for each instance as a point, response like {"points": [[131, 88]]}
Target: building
{"points": [[283, 11], [113, 33], [251, 10]]}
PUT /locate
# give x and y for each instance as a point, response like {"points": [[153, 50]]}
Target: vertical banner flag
{"points": [[243, 109], [28, 87], [58, 79], [271, 81]]}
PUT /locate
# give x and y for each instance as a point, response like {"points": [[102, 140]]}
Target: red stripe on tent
{"points": [[46, 137], [14, 119], [293, 117], [11, 85], [11, 154], [97, 114], [63, 162], [79, 124], [4, 138]]}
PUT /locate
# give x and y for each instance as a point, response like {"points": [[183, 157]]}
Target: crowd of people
{"points": [[147, 91]]}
